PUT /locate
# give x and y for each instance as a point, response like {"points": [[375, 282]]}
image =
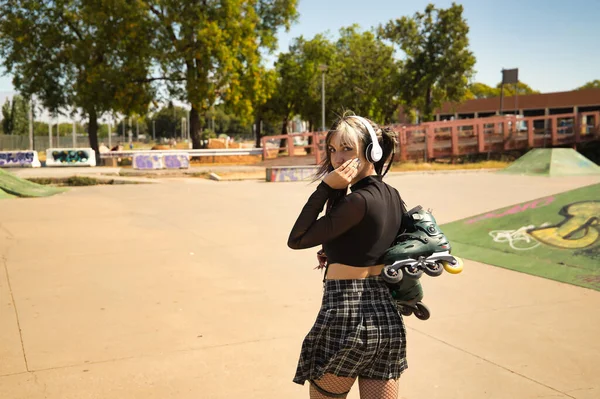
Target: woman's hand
{"points": [[341, 177], [322, 258]]}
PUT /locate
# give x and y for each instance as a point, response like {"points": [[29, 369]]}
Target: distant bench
{"points": [[291, 173]]}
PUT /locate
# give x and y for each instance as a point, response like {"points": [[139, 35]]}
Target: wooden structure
{"points": [[451, 139]]}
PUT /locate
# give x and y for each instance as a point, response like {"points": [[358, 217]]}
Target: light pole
{"points": [[323, 68]]}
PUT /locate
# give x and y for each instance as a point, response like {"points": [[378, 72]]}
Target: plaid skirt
{"points": [[358, 332]]}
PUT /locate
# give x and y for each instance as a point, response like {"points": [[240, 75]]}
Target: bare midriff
{"points": [[339, 271]]}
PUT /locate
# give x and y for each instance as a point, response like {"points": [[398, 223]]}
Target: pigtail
{"points": [[388, 143]]}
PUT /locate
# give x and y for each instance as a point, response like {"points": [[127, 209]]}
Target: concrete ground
{"points": [[186, 289]]}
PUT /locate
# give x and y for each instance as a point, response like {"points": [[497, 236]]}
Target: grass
{"points": [[425, 166], [233, 176], [76, 181]]}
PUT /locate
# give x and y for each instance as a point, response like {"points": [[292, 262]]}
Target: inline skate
{"points": [[408, 294], [420, 248]]}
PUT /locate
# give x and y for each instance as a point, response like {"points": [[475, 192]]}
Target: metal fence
{"points": [[41, 143]]}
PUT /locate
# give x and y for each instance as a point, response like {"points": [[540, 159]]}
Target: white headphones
{"points": [[373, 152]]}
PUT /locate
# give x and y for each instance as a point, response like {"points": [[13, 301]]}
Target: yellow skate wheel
{"points": [[454, 268]]}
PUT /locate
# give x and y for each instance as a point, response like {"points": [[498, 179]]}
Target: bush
{"points": [[208, 134]]}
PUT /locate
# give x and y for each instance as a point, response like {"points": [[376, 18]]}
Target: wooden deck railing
{"points": [[450, 139]]}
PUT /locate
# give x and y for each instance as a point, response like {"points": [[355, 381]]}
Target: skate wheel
{"points": [[454, 268], [413, 272], [405, 310], [434, 270], [391, 275], [422, 312]]}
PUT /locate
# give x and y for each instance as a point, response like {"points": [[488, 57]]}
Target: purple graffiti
{"points": [[21, 158], [176, 161], [291, 174], [515, 209], [142, 161]]}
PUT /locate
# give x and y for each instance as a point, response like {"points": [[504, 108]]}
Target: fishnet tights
{"points": [[369, 389]]}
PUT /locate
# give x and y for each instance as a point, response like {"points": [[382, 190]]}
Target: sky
{"points": [[555, 44]]}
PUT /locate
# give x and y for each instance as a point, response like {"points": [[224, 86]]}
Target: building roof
{"points": [[565, 99]]}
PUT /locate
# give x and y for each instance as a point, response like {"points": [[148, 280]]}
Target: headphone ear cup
{"points": [[368, 152]]}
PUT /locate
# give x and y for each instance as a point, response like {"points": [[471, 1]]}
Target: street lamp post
{"points": [[323, 68]]}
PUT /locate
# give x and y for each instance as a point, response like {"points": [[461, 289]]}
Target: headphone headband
{"points": [[373, 152]]}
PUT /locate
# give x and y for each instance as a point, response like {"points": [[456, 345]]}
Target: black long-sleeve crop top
{"points": [[357, 229]]}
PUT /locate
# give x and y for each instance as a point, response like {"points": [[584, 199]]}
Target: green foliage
{"points": [[208, 134], [298, 85], [40, 128], [364, 76], [361, 76], [166, 122], [15, 116], [6, 117], [594, 84], [520, 89], [481, 90], [210, 51], [438, 63], [91, 55]]}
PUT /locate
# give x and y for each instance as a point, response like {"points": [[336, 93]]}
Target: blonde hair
{"points": [[353, 132]]}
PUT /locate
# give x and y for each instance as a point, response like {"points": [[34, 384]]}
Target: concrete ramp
{"points": [[553, 162], [11, 185]]}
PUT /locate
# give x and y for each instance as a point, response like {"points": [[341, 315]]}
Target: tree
{"points": [[15, 116], [20, 115], [298, 84], [510, 90], [78, 54], [438, 63], [7, 117], [364, 77], [481, 90], [166, 122], [594, 84], [210, 51]]}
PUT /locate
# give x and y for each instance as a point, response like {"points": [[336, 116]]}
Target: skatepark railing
{"points": [[452, 138], [191, 153]]}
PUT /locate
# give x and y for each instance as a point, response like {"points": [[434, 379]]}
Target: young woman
{"points": [[359, 332]]}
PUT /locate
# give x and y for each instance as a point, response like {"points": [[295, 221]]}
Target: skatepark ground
{"points": [[186, 289]]}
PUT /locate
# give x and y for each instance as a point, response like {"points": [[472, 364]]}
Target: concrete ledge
{"points": [[161, 160], [290, 173], [19, 159], [70, 157], [147, 161], [176, 161]]}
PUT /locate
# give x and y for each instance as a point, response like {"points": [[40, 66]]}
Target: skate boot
{"points": [[408, 295], [421, 247]]}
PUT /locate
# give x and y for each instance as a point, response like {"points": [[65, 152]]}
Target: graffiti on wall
{"points": [[291, 174], [146, 161], [580, 227], [18, 159], [70, 156], [176, 161]]}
